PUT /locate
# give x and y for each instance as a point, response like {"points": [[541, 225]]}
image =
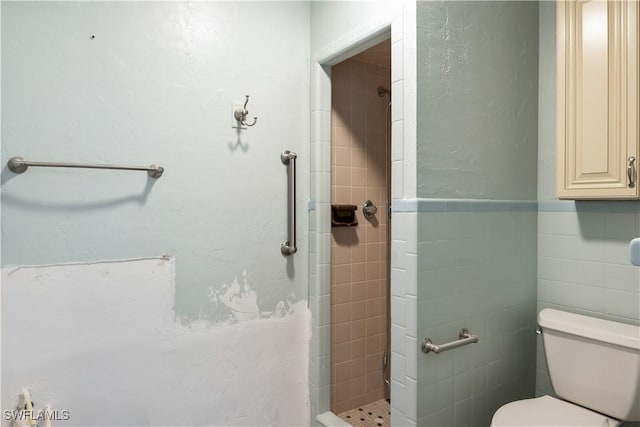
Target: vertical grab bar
{"points": [[288, 247]]}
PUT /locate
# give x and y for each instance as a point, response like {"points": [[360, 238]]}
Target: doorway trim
{"points": [[403, 43]]}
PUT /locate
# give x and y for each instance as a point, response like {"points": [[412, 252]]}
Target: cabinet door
{"points": [[597, 99]]}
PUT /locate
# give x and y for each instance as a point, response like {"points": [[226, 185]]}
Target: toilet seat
{"points": [[548, 411]]}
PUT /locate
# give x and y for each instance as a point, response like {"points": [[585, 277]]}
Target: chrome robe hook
{"points": [[240, 114]]}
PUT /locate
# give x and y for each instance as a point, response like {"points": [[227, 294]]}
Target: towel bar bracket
{"points": [[464, 338]]}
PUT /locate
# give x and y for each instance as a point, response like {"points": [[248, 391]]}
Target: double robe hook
{"points": [[240, 114]]}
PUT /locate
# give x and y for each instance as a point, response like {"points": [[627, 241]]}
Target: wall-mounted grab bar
{"points": [[288, 247], [464, 338], [19, 165]]}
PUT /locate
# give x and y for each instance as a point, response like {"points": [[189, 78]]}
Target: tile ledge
{"points": [[329, 419]]}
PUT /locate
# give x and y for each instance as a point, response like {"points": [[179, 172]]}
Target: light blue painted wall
{"points": [[477, 100], [1, 138], [156, 85], [333, 22], [477, 139], [583, 255], [547, 102]]}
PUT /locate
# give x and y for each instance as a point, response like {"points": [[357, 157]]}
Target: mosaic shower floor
{"points": [[372, 415]]}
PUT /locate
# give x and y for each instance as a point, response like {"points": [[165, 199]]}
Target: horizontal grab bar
{"points": [[19, 165], [464, 338]]}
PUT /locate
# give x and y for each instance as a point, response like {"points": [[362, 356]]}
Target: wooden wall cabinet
{"points": [[597, 99]]}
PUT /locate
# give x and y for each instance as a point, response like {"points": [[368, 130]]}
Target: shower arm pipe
{"points": [[464, 338], [288, 247], [19, 165]]}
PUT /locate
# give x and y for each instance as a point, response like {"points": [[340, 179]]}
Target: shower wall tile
{"points": [[397, 179], [404, 242], [397, 148], [398, 112], [404, 340], [397, 52], [359, 254]]}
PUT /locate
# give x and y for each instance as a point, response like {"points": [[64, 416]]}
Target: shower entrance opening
{"points": [[360, 236]]}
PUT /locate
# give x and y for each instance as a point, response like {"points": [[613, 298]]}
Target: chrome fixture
{"points": [[288, 247], [369, 209], [19, 165], [241, 114], [630, 171], [464, 338], [387, 350], [382, 91], [385, 362]]}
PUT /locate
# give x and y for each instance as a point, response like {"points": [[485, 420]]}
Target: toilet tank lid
{"points": [[607, 331]]}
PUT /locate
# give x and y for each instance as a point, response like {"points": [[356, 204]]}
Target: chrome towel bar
{"points": [[464, 338], [288, 247], [19, 165]]}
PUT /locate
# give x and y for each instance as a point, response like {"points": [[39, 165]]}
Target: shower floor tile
{"points": [[372, 415]]}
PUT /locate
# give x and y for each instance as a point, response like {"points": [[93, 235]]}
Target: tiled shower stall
{"points": [[359, 253]]}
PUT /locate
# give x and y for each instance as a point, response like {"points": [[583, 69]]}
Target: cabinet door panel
{"points": [[597, 98]]}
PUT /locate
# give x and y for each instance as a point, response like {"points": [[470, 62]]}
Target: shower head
{"points": [[383, 91]]}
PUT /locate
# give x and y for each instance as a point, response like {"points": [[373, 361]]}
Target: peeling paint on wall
{"points": [[156, 85], [239, 301], [101, 340]]}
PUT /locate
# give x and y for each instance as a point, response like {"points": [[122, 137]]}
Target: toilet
{"points": [[594, 366]]}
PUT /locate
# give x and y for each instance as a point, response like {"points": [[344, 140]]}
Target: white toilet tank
{"points": [[593, 362]]}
